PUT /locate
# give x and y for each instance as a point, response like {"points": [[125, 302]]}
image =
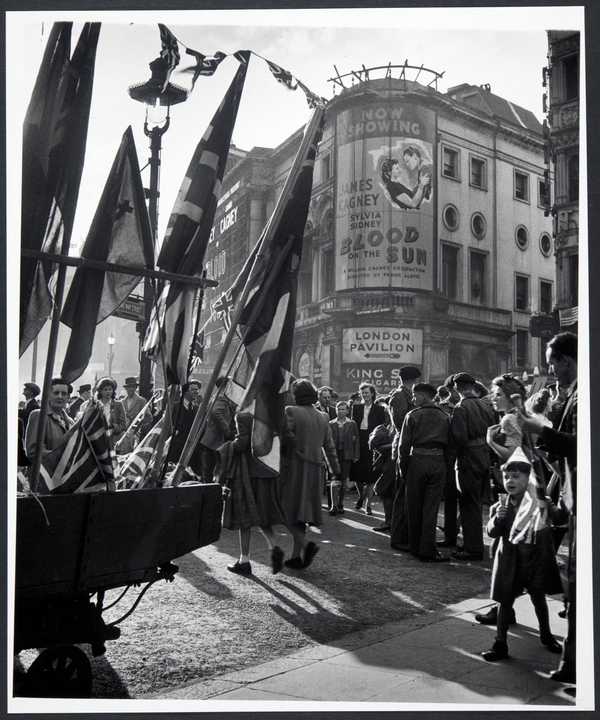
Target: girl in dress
{"points": [[524, 558]]}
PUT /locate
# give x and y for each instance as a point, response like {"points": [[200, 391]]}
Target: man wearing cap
{"points": [[84, 394], [30, 391], [57, 424], [400, 403], [468, 427], [422, 461]]}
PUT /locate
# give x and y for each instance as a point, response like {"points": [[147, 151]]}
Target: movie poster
{"points": [[385, 196]]}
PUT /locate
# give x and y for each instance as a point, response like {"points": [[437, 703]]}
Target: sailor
{"points": [[423, 443]]}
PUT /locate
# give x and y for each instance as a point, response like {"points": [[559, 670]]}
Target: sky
{"points": [[475, 46]]}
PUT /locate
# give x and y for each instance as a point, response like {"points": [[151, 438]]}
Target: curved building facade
{"points": [[426, 242]]}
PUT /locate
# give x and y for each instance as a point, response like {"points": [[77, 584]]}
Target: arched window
{"points": [[573, 177]]}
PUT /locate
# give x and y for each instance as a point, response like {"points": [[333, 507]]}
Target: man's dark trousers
{"points": [[425, 481], [473, 471], [399, 524], [450, 506]]}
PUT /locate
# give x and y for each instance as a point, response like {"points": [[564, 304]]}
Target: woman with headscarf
{"points": [[307, 438], [367, 415]]}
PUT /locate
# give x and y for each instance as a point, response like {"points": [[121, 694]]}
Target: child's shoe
{"points": [[498, 651]]}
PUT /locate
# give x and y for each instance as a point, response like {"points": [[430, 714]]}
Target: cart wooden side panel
{"points": [[103, 540]]}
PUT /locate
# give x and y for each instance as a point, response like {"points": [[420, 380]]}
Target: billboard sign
{"points": [[399, 346], [385, 187], [383, 377]]}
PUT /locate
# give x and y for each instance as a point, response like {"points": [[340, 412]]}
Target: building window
{"points": [[571, 69], [522, 293], [521, 237], [450, 217], [573, 261], [542, 194], [478, 225], [521, 190], [573, 178], [305, 275], [522, 348], [478, 176], [450, 163], [545, 244], [545, 296], [450, 271], [478, 279], [325, 168], [327, 272]]}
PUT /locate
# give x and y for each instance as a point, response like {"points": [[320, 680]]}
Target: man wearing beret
{"points": [[400, 403], [84, 393], [31, 392], [468, 427], [423, 444]]}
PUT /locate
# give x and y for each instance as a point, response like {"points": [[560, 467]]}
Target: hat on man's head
{"points": [[409, 372], [35, 389], [85, 388], [463, 378], [130, 382]]}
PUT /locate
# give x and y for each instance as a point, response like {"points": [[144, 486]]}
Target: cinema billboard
{"points": [[385, 196]]}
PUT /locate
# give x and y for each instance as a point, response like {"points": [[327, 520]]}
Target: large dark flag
{"points": [[120, 233], [54, 138], [187, 235], [268, 316]]}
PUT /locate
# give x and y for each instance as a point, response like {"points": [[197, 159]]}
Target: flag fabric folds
{"points": [[120, 233], [83, 462], [268, 316], [54, 138], [187, 235], [205, 66], [283, 76], [169, 51], [137, 464]]}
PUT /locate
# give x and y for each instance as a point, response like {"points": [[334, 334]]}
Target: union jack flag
{"points": [[136, 466], [169, 51], [283, 76], [205, 65], [83, 462]]}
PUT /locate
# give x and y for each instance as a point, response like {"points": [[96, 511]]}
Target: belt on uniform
{"points": [[426, 451], [476, 442]]}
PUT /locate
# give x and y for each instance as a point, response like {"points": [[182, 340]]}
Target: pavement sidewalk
{"points": [[430, 658]]}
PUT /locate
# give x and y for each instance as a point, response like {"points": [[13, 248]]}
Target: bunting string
{"points": [[207, 65]]}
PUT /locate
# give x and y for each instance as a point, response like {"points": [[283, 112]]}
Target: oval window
{"points": [[450, 217], [478, 225], [545, 244], [522, 237]]}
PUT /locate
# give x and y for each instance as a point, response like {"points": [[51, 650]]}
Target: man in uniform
{"points": [[133, 403], [401, 401], [423, 443], [561, 441], [57, 424], [84, 394], [468, 427]]}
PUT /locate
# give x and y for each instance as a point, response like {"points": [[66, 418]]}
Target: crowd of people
{"points": [[456, 447]]}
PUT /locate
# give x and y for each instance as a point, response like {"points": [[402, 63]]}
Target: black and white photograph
{"points": [[296, 335]]}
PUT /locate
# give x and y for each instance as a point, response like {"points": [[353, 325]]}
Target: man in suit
{"points": [[423, 443], [184, 413], [219, 428], [133, 404], [401, 402], [468, 427], [31, 392], [561, 441], [84, 394]]}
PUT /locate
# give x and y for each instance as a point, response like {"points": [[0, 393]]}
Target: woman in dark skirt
{"points": [[252, 497], [367, 415]]}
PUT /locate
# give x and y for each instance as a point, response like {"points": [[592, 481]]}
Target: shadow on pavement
{"points": [[200, 575]]}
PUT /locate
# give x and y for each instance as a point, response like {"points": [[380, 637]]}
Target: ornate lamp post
{"points": [[111, 352], [157, 95]]}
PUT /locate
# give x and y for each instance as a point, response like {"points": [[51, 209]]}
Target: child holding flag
{"points": [[524, 557]]}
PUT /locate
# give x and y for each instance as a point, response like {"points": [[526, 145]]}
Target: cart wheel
{"points": [[60, 671]]}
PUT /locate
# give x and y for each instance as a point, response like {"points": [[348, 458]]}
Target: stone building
{"points": [[561, 77], [426, 241]]}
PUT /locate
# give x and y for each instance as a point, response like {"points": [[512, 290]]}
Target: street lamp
{"points": [[111, 352], [156, 94]]}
